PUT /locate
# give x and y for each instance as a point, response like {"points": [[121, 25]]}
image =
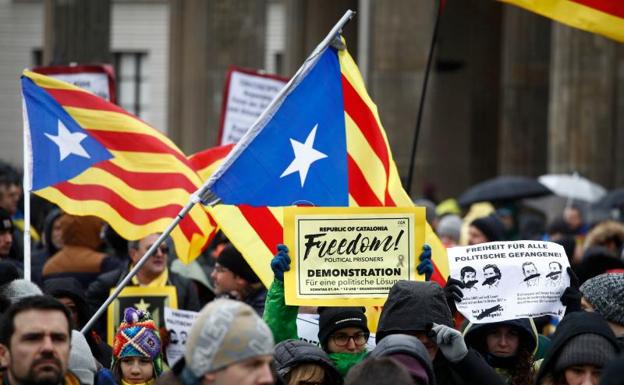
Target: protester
{"points": [[234, 278], [449, 230], [299, 362], [69, 292], [35, 336], [137, 357], [343, 331], [508, 346], [604, 294], [420, 309], [486, 229], [410, 353], [81, 360], [383, 370], [78, 257], [609, 234], [581, 346], [597, 260], [51, 242], [8, 247], [228, 344]]}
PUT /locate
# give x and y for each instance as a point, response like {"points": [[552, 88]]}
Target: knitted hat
{"points": [[233, 260], [225, 332], [6, 223], [138, 336], [585, 349], [450, 226], [605, 293], [18, 289], [491, 227], [332, 319], [81, 360]]}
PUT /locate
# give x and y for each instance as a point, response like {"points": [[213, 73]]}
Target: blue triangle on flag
{"points": [[61, 149]]}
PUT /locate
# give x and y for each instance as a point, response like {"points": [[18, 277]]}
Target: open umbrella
{"points": [[614, 199], [503, 188], [573, 186]]}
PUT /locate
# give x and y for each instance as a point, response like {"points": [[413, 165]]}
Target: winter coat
{"points": [[256, 299], [413, 307], [46, 248], [78, 257], [71, 288], [572, 325], [475, 336], [292, 353]]}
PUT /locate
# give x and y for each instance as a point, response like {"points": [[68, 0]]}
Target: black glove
{"points": [[453, 293], [571, 297]]}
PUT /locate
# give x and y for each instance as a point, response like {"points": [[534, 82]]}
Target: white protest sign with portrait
{"points": [[247, 93], [350, 256], [508, 280], [178, 324]]}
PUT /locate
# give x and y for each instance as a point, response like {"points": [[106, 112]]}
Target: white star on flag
{"points": [[68, 142], [305, 155]]}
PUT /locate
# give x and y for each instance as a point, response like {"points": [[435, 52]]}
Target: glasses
{"points": [[341, 339]]}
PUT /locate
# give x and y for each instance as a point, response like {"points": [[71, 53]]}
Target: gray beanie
{"points": [[450, 226], [585, 349], [605, 293], [18, 289], [81, 360], [225, 332]]}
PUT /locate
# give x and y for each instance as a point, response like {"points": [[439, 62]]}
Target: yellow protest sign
{"points": [[350, 256]]}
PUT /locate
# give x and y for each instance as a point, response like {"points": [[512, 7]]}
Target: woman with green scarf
{"points": [[343, 331]]}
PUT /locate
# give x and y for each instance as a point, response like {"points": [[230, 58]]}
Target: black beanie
{"points": [[233, 260], [585, 349], [332, 319], [6, 223], [491, 227]]}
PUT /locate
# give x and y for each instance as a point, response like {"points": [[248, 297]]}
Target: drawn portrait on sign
{"points": [[469, 278], [531, 274], [492, 276], [553, 278]]}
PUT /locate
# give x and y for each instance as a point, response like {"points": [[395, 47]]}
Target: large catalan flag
{"points": [[604, 17], [322, 144], [91, 157]]}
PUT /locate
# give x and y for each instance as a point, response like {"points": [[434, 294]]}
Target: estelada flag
{"points": [[604, 17], [91, 157], [322, 144], [206, 162]]}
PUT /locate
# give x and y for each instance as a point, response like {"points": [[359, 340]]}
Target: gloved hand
{"points": [[571, 296], [280, 263], [453, 293], [450, 342], [425, 266]]}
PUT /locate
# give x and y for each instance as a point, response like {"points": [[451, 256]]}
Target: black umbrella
{"points": [[613, 199], [503, 188]]}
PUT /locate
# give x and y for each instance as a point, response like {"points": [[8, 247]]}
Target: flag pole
{"points": [[192, 202], [204, 191], [26, 187], [423, 93]]}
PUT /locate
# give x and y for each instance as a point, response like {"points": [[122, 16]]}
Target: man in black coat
{"points": [[420, 309]]}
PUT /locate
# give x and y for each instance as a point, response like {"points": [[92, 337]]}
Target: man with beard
{"points": [[531, 275], [554, 275], [469, 278], [35, 343], [492, 276]]}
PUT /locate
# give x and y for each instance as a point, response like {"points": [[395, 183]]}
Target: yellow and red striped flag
{"points": [[91, 157], [206, 162], [604, 17]]}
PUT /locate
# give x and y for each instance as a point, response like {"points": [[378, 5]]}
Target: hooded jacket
{"points": [[413, 307], [78, 257], [291, 353], [71, 288], [571, 326], [402, 344], [475, 337]]}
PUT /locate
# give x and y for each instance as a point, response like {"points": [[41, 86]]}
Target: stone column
{"points": [[524, 93], [206, 38], [582, 130], [77, 31]]}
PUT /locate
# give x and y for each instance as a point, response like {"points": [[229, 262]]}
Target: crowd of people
{"points": [[245, 333]]}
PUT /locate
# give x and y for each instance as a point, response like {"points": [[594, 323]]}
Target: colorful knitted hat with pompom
{"points": [[138, 336]]}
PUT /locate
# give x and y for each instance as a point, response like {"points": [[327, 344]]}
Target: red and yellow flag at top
{"points": [[91, 157], [603, 17]]}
